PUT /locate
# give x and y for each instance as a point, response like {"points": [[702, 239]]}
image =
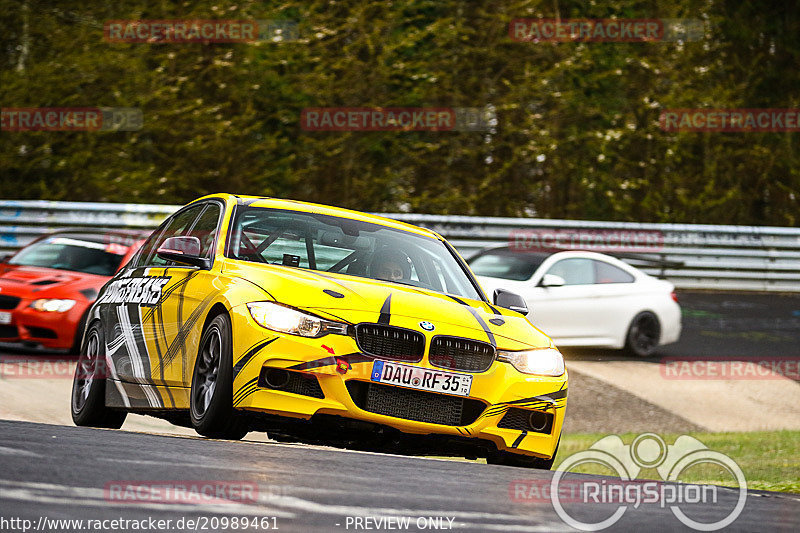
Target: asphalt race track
{"points": [[737, 325], [731, 325], [65, 472], [52, 472]]}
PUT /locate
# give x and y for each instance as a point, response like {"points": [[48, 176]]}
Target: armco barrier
{"points": [[21, 221], [700, 256], [690, 255]]}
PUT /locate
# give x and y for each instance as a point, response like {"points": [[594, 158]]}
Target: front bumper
{"points": [[29, 327], [329, 376]]}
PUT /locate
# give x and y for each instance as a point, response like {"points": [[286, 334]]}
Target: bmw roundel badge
{"points": [[427, 326]]}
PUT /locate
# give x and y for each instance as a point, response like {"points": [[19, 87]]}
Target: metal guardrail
{"points": [[690, 255], [22, 221]]}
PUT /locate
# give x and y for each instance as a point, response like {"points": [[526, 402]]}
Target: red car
{"points": [[47, 287]]}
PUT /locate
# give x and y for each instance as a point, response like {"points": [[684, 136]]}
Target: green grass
{"points": [[770, 460]]}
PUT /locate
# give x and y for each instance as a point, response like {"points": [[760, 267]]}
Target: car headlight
{"points": [[287, 320], [52, 305], [542, 362]]}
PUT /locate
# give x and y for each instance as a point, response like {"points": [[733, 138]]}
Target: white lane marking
{"points": [[304, 446], [383, 455], [14, 451], [234, 468], [309, 506], [51, 493], [298, 490]]}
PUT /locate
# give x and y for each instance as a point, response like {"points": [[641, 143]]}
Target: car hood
{"points": [[41, 282], [355, 300]]}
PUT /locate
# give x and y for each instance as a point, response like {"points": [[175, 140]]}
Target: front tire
{"points": [[211, 406], [88, 404], [643, 336]]}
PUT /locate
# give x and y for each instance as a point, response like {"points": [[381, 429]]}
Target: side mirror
{"points": [[185, 250], [510, 300], [551, 280], [5, 257]]}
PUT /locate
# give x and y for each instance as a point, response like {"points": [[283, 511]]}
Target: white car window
{"points": [[506, 264], [575, 271], [607, 273]]}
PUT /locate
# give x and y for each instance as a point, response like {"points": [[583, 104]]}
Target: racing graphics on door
{"points": [[136, 388], [142, 291], [127, 354]]}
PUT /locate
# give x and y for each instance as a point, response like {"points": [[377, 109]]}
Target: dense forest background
{"points": [[576, 134]]}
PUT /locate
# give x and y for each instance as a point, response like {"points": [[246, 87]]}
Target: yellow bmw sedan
{"points": [[319, 324]]}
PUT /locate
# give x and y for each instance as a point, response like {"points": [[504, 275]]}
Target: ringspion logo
{"points": [[647, 450], [71, 119]]}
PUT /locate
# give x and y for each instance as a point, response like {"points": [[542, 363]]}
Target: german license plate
{"points": [[5, 317], [415, 377]]}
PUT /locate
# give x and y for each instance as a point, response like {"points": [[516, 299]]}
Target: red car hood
{"points": [[41, 282]]}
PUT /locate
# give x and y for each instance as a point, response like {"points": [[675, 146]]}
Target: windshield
{"points": [[506, 264], [78, 253], [332, 244]]}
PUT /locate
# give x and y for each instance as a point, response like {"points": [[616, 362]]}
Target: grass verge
{"points": [[770, 460]]}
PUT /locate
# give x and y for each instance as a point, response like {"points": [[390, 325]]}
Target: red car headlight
{"points": [[52, 305]]}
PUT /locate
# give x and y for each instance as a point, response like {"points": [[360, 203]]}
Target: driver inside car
{"points": [[390, 265]]}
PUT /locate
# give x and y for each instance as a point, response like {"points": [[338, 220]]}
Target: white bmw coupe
{"points": [[585, 299]]}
